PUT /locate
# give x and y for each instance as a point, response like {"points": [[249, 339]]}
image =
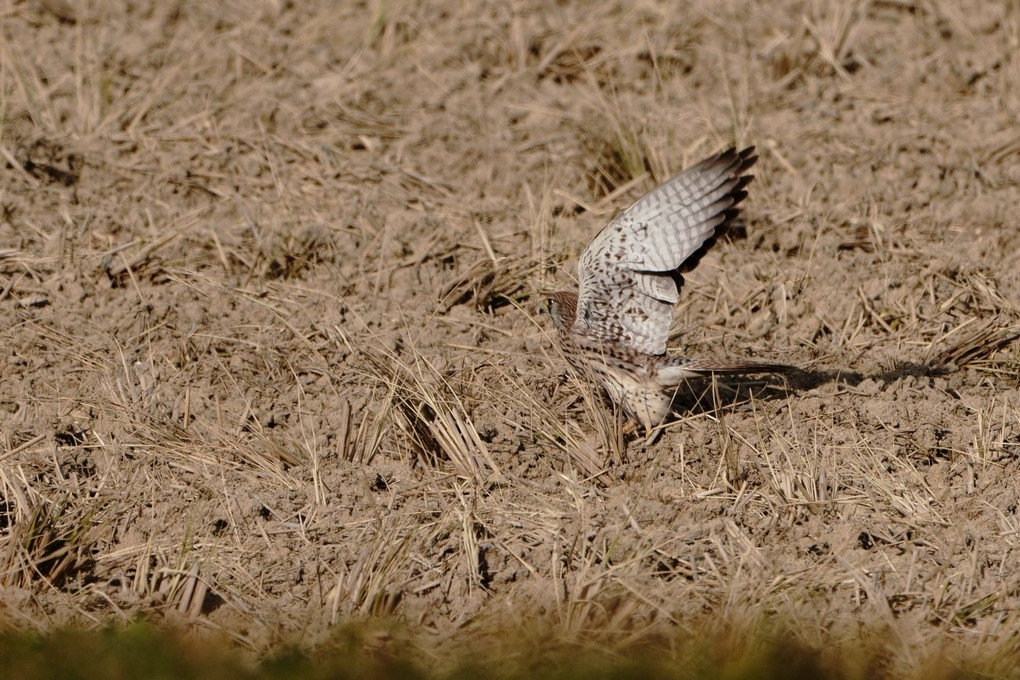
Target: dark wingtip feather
{"points": [[736, 163]]}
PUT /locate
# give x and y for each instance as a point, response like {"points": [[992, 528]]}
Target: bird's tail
{"points": [[680, 368]]}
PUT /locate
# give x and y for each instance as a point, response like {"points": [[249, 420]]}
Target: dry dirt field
{"points": [[273, 353]]}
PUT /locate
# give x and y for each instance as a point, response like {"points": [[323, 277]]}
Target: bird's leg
{"points": [[653, 436], [631, 424]]}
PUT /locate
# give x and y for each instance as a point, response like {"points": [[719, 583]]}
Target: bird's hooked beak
{"points": [[550, 306], [561, 308]]}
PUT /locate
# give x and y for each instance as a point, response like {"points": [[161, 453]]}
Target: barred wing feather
{"points": [[631, 272]]}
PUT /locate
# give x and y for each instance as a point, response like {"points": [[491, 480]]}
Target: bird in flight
{"points": [[614, 328]]}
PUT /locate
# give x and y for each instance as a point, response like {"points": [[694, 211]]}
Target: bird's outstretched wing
{"points": [[631, 272]]}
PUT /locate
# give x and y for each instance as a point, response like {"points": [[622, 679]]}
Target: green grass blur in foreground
{"points": [[144, 651]]}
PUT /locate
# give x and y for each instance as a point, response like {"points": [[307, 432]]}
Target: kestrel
{"points": [[614, 329]]}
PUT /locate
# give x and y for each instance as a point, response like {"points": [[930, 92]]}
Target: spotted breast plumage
{"points": [[615, 327]]}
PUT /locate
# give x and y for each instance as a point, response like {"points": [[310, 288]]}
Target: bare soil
{"points": [[272, 349]]}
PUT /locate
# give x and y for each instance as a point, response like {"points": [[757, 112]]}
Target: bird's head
{"points": [[562, 307]]}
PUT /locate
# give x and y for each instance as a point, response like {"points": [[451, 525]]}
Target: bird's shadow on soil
{"points": [[697, 396]]}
